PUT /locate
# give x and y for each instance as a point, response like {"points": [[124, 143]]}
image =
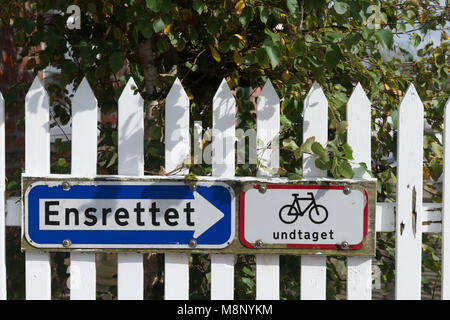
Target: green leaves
{"points": [[333, 56], [334, 159], [385, 37], [351, 41], [306, 146], [246, 16], [212, 24], [345, 169], [116, 61], [299, 47], [292, 6], [158, 25], [158, 5], [145, 27], [264, 14], [340, 7], [153, 5], [318, 150], [273, 51], [198, 6], [415, 39], [436, 169]]}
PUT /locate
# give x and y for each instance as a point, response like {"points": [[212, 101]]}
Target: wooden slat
{"points": [[359, 278], [359, 275], [313, 277], [130, 271], [37, 162], [2, 201], [13, 212], [84, 163], [222, 277], [359, 130], [176, 276], [445, 271], [177, 150], [315, 124], [409, 197], [267, 135], [223, 166], [385, 219]]}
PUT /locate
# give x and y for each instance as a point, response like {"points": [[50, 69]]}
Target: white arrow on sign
{"points": [[209, 217], [120, 214]]}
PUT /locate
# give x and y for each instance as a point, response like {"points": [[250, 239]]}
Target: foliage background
{"points": [[292, 43]]}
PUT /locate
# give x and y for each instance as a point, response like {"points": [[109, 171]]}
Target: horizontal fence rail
{"points": [[385, 216], [390, 217]]}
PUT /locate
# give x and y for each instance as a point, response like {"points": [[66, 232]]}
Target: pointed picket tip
{"points": [[268, 91], [223, 92], [411, 97], [84, 90], [316, 89], [315, 97], [358, 95], [358, 91], [177, 91], [128, 91], [37, 83], [36, 86]]}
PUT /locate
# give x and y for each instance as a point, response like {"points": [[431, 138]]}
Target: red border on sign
{"points": [[301, 246]]}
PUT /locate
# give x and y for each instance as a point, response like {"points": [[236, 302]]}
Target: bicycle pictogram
{"points": [[317, 213]]}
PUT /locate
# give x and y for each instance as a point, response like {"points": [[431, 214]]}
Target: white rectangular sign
{"points": [[304, 216]]}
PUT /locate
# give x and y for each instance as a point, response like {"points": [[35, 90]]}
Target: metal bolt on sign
{"points": [[345, 245], [193, 243], [65, 186], [66, 243], [193, 186], [262, 188], [258, 243], [347, 190]]}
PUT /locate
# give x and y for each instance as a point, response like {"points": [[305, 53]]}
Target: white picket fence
{"points": [[407, 226]]}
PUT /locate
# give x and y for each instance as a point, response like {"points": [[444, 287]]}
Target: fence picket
{"points": [[37, 162], [223, 166], [409, 197], [84, 163], [267, 135], [2, 201], [130, 266], [359, 269], [315, 123], [177, 151], [445, 267], [410, 212]]}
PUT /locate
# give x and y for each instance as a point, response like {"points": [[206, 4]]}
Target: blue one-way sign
{"points": [[129, 215]]}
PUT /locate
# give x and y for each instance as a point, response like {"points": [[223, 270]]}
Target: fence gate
{"points": [[411, 219]]}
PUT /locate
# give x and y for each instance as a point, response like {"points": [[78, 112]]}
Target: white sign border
{"points": [[51, 183]]}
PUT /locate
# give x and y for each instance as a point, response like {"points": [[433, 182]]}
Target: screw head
{"points": [[262, 188], [347, 190], [258, 243], [345, 245], [193, 186], [193, 243], [65, 186], [66, 243]]}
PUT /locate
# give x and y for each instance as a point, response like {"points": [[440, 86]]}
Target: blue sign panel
{"points": [[129, 215]]}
